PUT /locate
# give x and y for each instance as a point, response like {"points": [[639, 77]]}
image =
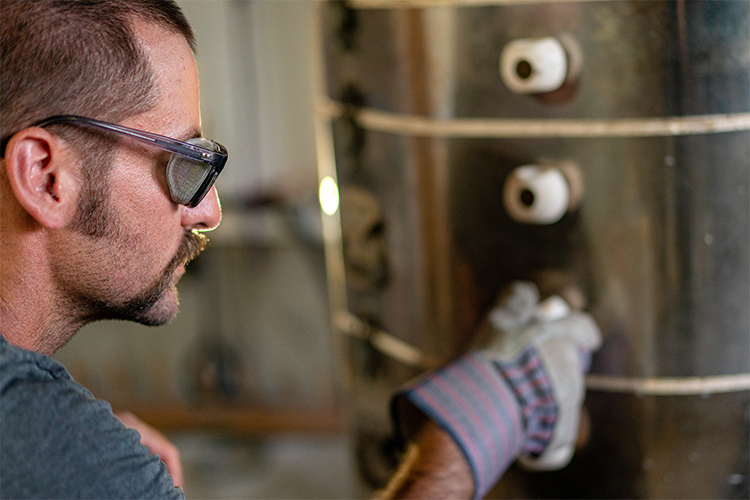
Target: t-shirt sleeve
{"points": [[58, 441]]}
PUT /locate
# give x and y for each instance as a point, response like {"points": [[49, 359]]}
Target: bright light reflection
{"points": [[329, 196]]}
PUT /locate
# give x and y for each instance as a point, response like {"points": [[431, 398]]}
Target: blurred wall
{"points": [[254, 64], [256, 96]]}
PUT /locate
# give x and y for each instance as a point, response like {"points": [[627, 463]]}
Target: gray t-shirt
{"points": [[58, 441]]}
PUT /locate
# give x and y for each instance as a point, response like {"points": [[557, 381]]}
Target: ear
{"points": [[43, 175]]}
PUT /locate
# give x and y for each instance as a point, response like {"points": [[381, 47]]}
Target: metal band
{"points": [[386, 343], [670, 386], [410, 355], [499, 128]]}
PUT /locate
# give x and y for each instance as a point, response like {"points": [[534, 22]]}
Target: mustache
{"points": [[192, 244]]}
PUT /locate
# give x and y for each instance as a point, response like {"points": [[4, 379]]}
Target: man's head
{"points": [[88, 214]]}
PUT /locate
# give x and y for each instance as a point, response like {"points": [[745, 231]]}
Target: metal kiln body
{"points": [[649, 121]]}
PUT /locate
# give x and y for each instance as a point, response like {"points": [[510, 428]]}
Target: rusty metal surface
{"points": [[658, 250]]}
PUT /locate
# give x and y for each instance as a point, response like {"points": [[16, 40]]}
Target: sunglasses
{"points": [[192, 169]]}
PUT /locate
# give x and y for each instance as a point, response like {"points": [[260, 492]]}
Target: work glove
{"points": [[520, 326], [516, 394]]}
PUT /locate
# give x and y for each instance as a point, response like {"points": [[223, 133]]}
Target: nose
{"points": [[207, 215]]}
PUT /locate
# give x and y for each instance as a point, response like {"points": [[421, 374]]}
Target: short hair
{"points": [[78, 57]]}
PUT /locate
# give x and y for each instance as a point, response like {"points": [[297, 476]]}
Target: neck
{"points": [[37, 328], [31, 314]]}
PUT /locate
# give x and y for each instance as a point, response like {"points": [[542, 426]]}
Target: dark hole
{"points": [[523, 69], [527, 197], [376, 230]]}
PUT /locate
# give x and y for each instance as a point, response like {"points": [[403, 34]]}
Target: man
{"points": [[95, 223], [105, 187]]}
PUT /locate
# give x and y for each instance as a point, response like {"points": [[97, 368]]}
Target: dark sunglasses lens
{"points": [[185, 176]]}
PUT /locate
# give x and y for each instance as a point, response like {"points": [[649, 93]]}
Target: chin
{"points": [[162, 311], [154, 306]]}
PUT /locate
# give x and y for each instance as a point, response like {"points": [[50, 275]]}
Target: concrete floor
{"points": [[282, 467]]}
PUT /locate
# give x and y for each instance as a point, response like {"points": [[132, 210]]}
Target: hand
{"points": [[516, 394], [520, 325], [157, 443]]}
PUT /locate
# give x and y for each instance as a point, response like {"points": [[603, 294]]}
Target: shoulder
{"points": [[18, 365], [34, 385], [58, 440]]}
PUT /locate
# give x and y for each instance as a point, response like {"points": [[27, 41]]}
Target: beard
{"points": [[86, 294], [159, 303]]}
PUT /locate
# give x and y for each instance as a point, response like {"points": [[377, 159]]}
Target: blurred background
{"points": [[598, 148]]}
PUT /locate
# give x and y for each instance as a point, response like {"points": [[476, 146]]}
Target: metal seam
{"points": [[670, 386], [410, 355], [382, 121], [386, 343]]}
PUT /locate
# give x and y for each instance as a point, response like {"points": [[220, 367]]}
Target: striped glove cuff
{"points": [[493, 410]]}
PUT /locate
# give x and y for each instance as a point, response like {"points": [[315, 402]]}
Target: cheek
{"points": [[149, 218], [156, 235], [140, 176]]}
